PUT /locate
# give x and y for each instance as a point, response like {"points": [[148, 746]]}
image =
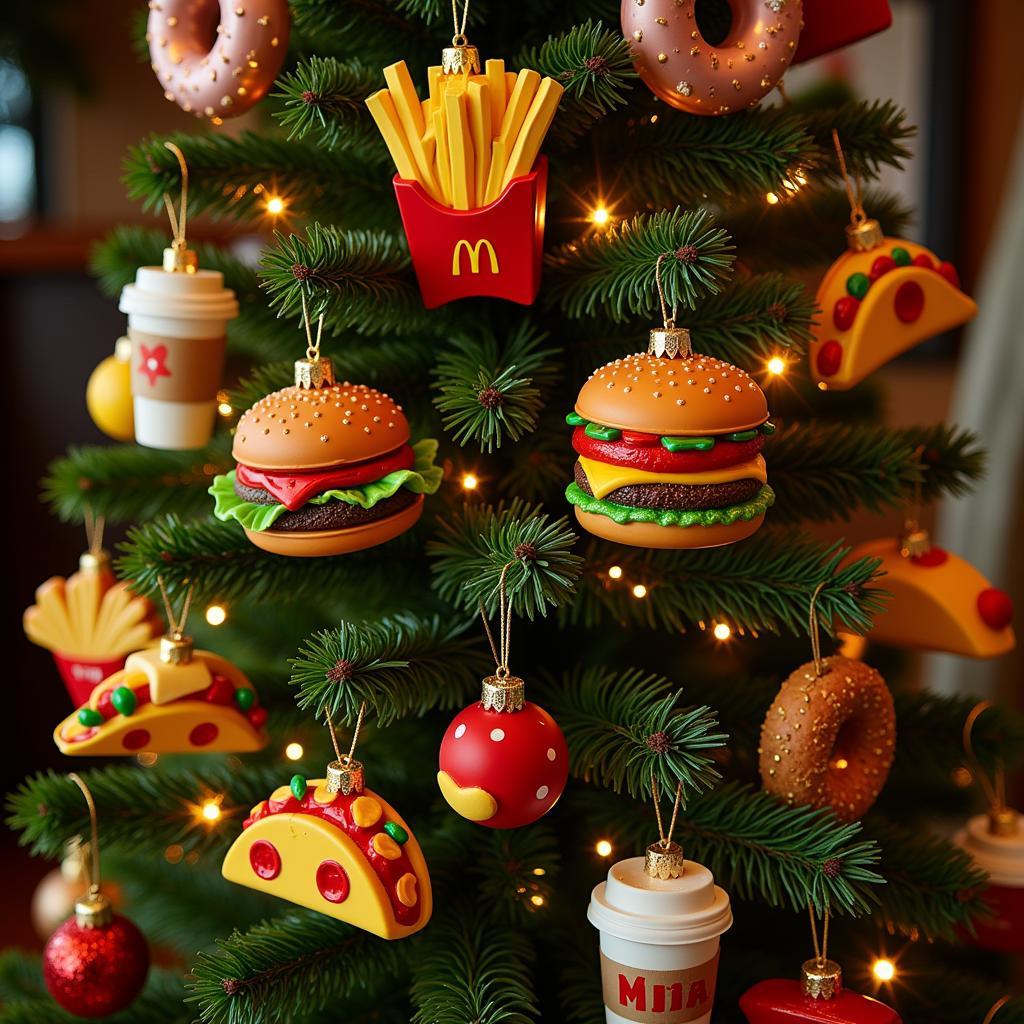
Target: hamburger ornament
{"points": [[669, 445], [325, 468]]}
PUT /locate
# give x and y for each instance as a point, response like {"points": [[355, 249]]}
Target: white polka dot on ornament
{"points": [[497, 735], [460, 731], [551, 754], [542, 792]]}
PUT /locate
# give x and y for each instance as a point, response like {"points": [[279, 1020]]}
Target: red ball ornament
{"points": [[503, 760], [96, 963]]}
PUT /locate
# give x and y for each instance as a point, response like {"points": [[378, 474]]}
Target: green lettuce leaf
{"points": [[423, 478], [746, 510]]}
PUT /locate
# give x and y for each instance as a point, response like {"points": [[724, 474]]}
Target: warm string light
{"points": [[225, 409], [883, 969], [294, 751], [841, 764], [210, 810], [216, 615], [615, 572], [722, 631], [639, 591], [600, 216], [776, 366], [603, 848], [276, 205], [470, 481], [537, 900]]}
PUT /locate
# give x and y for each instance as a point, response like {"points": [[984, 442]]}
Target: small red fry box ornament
{"points": [[338, 848], [830, 26], [494, 250], [90, 622], [503, 761], [661, 926], [817, 998]]}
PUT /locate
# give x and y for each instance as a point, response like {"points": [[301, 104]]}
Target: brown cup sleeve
{"points": [[176, 369], [659, 997]]}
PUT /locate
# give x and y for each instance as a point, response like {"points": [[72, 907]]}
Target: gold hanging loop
{"points": [[179, 258], [345, 773], [820, 978], [915, 541], [862, 233], [667, 341], [315, 371], [94, 558], [175, 647], [93, 910], [665, 859], [1002, 819], [460, 58], [995, 1008], [814, 631]]}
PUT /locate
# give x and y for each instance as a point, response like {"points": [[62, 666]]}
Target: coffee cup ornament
{"points": [[177, 319]]}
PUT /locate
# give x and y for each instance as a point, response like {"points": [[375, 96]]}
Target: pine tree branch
{"points": [[490, 390], [872, 133], [762, 585], [932, 887], [829, 472], [289, 966], [467, 971], [354, 279], [222, 563], [757, 848], [595, 67], [402, 665], [149, 809], [613, 274], [255, 332], [231, 176], [328, 97], [625, 728], [125, 483], [950, 995], [475, 543]]}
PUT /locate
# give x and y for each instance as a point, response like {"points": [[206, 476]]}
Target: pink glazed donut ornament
{"points": [[228, 76], [681, 68]]}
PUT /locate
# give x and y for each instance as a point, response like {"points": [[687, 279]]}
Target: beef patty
{"points": [[676, 496], [332, 515]]}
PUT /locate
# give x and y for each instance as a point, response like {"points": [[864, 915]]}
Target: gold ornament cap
{"points": [[93, 910], [176, 649], [123, 349], [915, 542], [503, 693], [94, 561], [460, 58], [1003, 822], [180, 259], [345, 777], [665, 860], [669, 342], [821, 979], [314, 373], [865, 236]]}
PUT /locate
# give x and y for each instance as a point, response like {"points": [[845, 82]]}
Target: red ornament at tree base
{"points": [[817, 998], [96, 963], [503, 761]]}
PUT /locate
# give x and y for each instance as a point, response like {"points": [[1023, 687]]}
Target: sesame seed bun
{"points": [[312, 428], [689, 396]]}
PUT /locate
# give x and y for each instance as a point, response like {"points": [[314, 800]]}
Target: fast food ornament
{"points": [[90, 621], [338, 848], [880, 298], [171, 699]]}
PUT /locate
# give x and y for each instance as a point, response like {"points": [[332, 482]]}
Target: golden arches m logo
{"points": [[473, 251]]}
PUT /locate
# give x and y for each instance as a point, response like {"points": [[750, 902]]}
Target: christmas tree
{"points": [[659, 665]]}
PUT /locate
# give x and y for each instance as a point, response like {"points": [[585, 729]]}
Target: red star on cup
{"points": [[154, 363]]}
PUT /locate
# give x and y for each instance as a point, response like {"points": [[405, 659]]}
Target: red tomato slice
{"points": [[293, 489], [661, 460]]}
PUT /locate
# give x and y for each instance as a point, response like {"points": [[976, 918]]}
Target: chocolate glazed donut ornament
{"points": [[680, 67], [829, 737], [217, 58]]}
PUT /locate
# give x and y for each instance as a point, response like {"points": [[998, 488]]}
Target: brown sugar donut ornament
{"points": [[217, 58], [680, 67], [829, 737]]}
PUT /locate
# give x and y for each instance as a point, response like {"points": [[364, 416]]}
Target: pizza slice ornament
{"points": [[90, 622], [939, 602], [880, 298], [338, 848], [503, 761], [170, 699]]}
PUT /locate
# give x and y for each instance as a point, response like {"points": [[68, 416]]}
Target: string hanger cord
{"points": [[814, 630], [668, 321], [500, 651], [665, 839], [820, 949], [459, 29], [312, 346], [178, 218], [176, 626], [348, 758], [94, 526], [993, 788], [94, 841], [853, 186]]}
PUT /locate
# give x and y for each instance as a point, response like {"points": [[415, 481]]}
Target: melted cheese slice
{"points": [[605, 478]]}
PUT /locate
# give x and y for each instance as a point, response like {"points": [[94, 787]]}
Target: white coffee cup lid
{"points": [[1001, 856], [632, 905], [158, 292]]}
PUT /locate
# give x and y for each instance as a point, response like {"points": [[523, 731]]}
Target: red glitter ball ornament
{"points": [[95, 971]]}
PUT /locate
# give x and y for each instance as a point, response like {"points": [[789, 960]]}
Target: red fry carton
{"points": [[494, 250]]}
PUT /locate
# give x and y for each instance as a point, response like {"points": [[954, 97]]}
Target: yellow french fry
{"points": [[535, 127], [518, 105], [435, 76], [444, 167], [410, 114], [382, 109], [510, 84], [496, 80], [496, 173], [480, 130], [460, 145]]}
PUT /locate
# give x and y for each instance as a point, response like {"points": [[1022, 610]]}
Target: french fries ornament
{"points": [[90, 622], [471, 183], [168, 699], [880, 298]]}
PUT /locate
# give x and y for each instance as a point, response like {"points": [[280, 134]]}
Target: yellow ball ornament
{"points": [[108, 394]]}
